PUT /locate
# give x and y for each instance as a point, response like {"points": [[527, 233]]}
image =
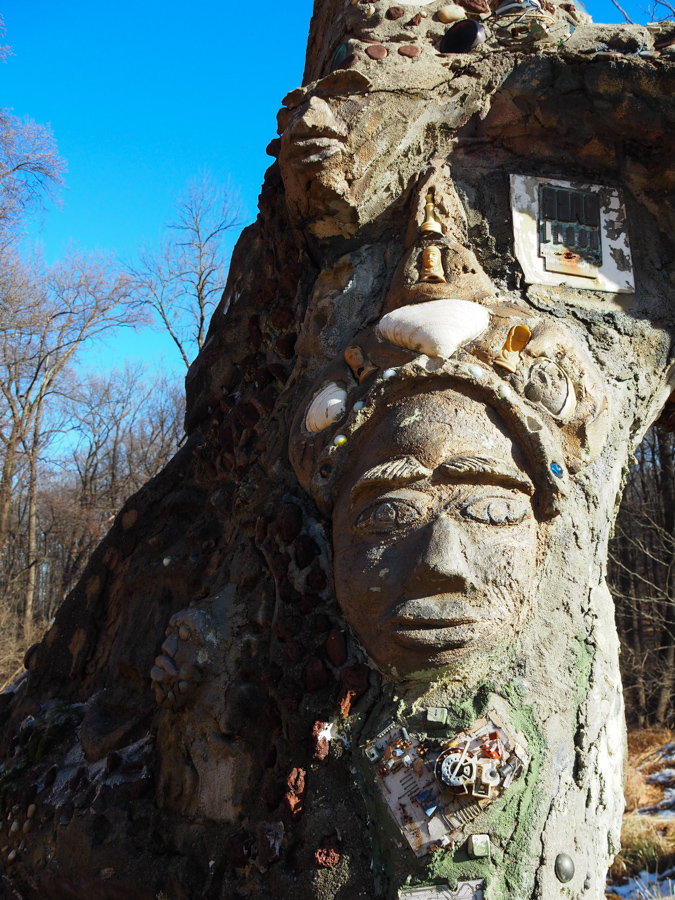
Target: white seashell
{"points": [[327, 408], [436, 328]]}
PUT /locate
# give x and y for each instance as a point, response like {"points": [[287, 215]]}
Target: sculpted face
{"points": [[434, 533]]}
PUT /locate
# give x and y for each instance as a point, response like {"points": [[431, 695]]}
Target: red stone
{"points": [[319, 745], [336, 647], [281, 318], [328, 853], [305, 550], [376, 51], [351, 60], [308, 603], [474, 6], [295, 794], [314, 675], [267, 852], [394, 12], [355, 682], [409, 50], [285, 346], [294, 651], [237, 849], [279, 564], [415, 20], [287, 627], [317, 579], [288, 522], [272, 794], [288, 593]]}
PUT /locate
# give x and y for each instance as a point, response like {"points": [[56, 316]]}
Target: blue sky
{"points": [[142, 95]]}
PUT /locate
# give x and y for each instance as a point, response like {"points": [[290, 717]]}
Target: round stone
{"points": [[376, 51], [409, 50], [558, 472], [166, 561], [389, 373], [339, 440], [450, 13], [394, 12], [505, 392], [564, 868], [358, 405], [477, 372]]}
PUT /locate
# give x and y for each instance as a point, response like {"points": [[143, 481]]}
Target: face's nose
{"points": [[318, 120], [440, 562]]}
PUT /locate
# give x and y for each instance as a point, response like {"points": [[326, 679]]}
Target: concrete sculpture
{"points": [[355, 641]]}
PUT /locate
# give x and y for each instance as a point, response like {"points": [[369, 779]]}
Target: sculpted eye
{"points": [[497, 510], [386, 516]]}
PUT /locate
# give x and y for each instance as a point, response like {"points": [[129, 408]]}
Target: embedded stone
{"points": [[336, 647], [376, 51], [328, 853], [394, 12], [315, 676], [450, 13], [409, 50], [564, 868]]}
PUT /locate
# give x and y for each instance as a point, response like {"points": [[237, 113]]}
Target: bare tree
{"points": [[31, 171], [180, 281], [5, 50], [62, 307]]}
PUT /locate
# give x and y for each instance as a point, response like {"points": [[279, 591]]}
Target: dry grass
{"points": [[647, 842]]}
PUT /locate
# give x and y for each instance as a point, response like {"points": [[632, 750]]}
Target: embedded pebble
{"points": [[505, 391], [450, 13], [394, 12], [409, 50], [167, 561], [183, 633], [12, 856], [376, 51], [27, 826], [339, 440], [389, 373], [15, 826], [476, 371], [358, 405], [183, 687], [171, 696], [416, 19]]}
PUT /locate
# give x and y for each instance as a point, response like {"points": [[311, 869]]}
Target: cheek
{"points": [[505, 557]]}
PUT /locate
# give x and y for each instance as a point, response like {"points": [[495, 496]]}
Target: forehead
{"points": [[433, 425]]}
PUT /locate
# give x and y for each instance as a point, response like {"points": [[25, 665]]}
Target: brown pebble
{"points": [[315, 675], [294, 651], [416, 19], [475, 6], [376, 51], [336, 647], [351, 60], [394, 12], [409, 50]]}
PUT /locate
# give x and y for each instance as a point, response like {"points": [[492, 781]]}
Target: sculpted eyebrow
{"points": [[481, 469], [393, 473]]}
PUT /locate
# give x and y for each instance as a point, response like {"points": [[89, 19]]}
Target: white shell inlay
{"points": [[327, 408], [437, 328]]}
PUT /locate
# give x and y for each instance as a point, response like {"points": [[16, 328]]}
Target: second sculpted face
{"points": [[434, 533]]}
